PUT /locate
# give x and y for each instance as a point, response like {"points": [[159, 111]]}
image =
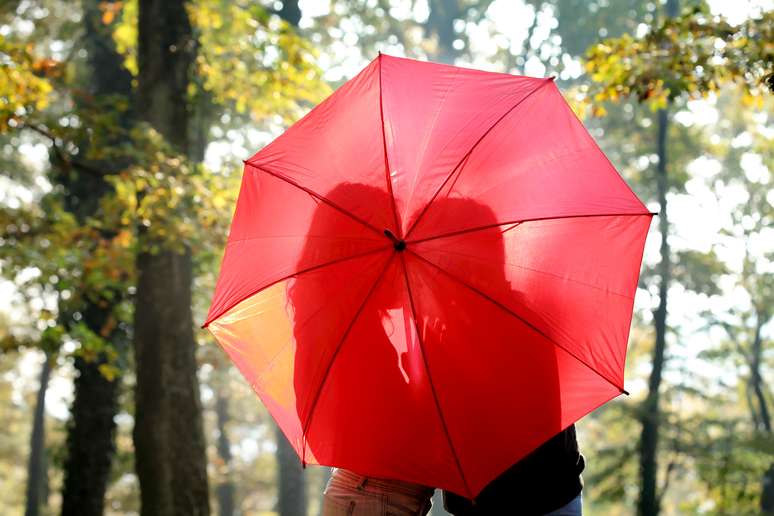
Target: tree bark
{"points": [[168, 433], [767, 495], [168, 436], [648, 503], [90, 441], [756, 380], [225, 490], [290, 12], [650, 413], [36, 470], [91, 430], [440, 23], [291, 498], [165, 54], [763, 419]]}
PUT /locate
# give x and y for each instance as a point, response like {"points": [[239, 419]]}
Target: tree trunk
{"points": [[767, 495], [650, 414], [756, 380], [165, 54], [168, 436], [440, 23], [649, 500], [225, 490], [91, 430], [290, 12], [168, 433], [291, 498], [90, 441], [36, 470], [764, 416]]}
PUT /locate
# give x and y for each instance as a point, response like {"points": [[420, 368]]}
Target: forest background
{"points": [[115, 204]]}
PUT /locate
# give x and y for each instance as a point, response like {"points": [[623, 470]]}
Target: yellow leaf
{"points": [[124, 238], [110, 372]]}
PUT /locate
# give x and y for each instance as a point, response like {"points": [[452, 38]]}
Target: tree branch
{"points": [[65, 157]]}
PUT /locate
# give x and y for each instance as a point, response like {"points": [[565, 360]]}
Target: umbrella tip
{"points": [[552, 78], [624, 391]]}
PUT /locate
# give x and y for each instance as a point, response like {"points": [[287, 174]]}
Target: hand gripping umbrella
{"points": [[430, 274]]}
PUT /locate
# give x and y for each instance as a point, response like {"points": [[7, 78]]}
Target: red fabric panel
{"points": [[433, 115], [279, 230], [339, 141], [503, 388], [539, 161], [574, 279], [284, 338], [376, 413]]}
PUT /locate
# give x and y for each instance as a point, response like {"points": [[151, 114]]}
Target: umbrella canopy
{"points": [[431, 274]]}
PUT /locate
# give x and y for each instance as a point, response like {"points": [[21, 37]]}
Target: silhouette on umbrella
{"points": [[378, 371]]}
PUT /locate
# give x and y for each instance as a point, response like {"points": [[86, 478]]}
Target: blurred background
{"points": [[123, 124]]}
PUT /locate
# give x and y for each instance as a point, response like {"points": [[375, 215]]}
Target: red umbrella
{"points": [[431, 274]]}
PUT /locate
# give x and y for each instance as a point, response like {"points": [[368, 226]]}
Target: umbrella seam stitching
{"points": [[339, 346], [467, 154], [428, 134], [519, 221], [517, 316], [471, 121], [511, 264], [531, 166], [269, 367], [595, 144], [297, 273], [388, 176], [316, 195], [269, 237], [430, 380]]}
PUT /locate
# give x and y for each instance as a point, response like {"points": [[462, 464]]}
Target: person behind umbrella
{"points": [[544, 481], [349, 492], [547, 481]]}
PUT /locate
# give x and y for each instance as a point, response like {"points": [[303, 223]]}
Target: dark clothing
{"points": [[543, 481]]}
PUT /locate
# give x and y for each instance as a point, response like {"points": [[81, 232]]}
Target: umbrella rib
{"points": [[317, 196], [519, 221], [511, 264], [467, 154], [297, 273], [340, 344], [430, 381], [386, 159], [520, 318]]}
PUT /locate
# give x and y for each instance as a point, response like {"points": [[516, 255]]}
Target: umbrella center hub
{"points": [[397, 243]]}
